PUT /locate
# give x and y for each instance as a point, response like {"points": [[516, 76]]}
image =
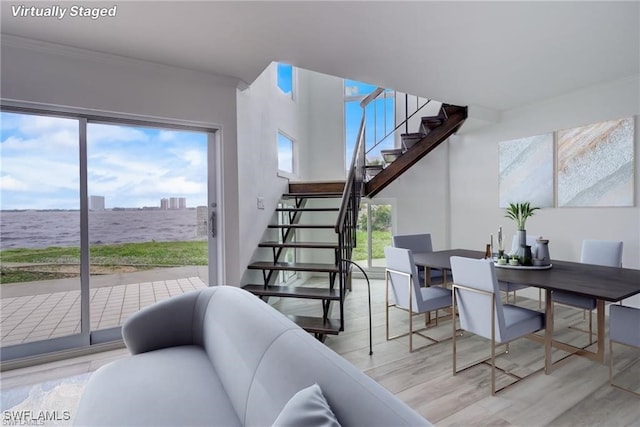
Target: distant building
{"points": [[173, 203], [177, 202], [96, 203], [164, 204]]}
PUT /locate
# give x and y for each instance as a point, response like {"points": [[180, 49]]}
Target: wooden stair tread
{"points": [[308, 245], [301, 226], [316, 187], [294, 266], [326, 195], [316, 325], [294, 292], [455, 117], [307, 209]]}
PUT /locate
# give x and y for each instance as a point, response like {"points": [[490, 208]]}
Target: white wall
{"points": [[313, 118], [474, 176], [42, 73]]}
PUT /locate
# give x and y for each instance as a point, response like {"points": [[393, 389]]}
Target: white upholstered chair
{"points": [[476, 297], [624, 328], [599, 252], [403, 291], [419, 243]]}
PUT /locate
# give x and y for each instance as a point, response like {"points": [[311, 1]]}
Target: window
{"points": [[285, 154], [373, 233], [94, 203], [285, 78], [380, 115]]}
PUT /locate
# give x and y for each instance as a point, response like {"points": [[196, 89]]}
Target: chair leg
{"points": [[539, 298], [611, 383], [493, 368], [410, 331]]}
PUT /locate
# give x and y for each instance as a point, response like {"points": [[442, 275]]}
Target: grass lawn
{"points": [[61, 262], [379, 239]]}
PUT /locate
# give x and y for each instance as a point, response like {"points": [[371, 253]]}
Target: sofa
{"points": [[220, 356]]}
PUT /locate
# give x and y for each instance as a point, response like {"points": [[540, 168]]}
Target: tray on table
{"points": [[524, 267]]}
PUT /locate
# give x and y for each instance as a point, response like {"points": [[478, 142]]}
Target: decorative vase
{"points": [[527, 258], [522, 242]]}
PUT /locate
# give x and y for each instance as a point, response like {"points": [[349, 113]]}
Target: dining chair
{"points": [[476, 299], [401, 280], [599, 252], [624, 328], [419, 243], [508, 287]]}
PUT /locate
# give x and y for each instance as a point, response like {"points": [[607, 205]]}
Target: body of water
{"points": [[41, 229]]}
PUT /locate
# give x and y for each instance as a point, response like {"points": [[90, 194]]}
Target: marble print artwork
{"points": [[595, 164], [526, 171]]}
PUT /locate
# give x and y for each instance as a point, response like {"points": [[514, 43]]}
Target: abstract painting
{"points": [[526, 171], [595, 164]]}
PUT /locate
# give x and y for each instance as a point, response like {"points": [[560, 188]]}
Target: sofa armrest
{"points": [[169, 323]]}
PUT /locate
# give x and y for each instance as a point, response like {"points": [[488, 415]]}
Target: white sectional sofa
{"points": [[222, 357]]}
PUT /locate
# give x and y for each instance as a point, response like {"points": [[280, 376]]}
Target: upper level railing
{"points": [[376, 110], [347, 220]]}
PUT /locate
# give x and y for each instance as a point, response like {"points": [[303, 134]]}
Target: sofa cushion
{"points": [[238, 328], [297, 360], [308, 407], [173, 386]]}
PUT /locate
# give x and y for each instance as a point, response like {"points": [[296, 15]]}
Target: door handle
{"points": [[212, 224]]}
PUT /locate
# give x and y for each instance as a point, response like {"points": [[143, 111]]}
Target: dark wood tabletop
{"points": [[606, 283]]}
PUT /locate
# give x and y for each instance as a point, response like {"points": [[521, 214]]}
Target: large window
{"points": [[39, 228], [373, 233], [380, 118], [100, 217]]}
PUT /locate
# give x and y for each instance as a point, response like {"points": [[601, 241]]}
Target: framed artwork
{"points": [[526, 171], [595, 164]]}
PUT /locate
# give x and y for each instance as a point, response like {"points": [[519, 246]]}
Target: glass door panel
{"points": [[39, 229], [373, 234], [148, 218]]}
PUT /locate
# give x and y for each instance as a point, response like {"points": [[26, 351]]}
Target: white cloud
{"points": [[9, 183]]}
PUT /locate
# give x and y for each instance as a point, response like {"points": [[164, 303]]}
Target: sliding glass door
{"points": [[99, 218], [147, 207], [39, 229]]}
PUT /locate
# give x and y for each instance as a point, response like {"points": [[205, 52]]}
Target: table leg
{"points": [[600, 320], [548, 331]]}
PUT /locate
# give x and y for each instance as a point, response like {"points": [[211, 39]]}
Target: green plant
{"points": [[519, 212]]}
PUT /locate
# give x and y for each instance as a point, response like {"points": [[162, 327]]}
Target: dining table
{"points": [[604, 284]]}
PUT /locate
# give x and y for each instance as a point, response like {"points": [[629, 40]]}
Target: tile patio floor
{"points": [[27, 318]]}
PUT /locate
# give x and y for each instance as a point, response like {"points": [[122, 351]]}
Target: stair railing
{"points": [[347, 220], [409, 112]]}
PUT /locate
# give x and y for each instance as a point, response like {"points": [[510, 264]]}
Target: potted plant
{"points": [[519, 213]]}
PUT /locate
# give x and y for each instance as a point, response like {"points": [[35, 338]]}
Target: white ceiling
{"points": [[497, 55]]}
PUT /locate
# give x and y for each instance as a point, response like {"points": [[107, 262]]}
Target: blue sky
{"points": [[129, 166], [353, 117]]}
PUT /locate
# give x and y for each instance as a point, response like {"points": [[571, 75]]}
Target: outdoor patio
{"points": [[29, 313]]}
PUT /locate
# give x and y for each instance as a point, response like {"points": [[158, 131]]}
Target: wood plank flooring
{"points": [[577, 392]]}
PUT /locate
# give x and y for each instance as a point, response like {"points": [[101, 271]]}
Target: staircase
{"points": [[414, 146], [311, 211], [337, 204]]}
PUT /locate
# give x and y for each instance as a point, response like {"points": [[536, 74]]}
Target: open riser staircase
{"points": [[309, 213], [320, 218]]}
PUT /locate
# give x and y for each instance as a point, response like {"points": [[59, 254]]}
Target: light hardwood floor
{"points": [[577, 392]]}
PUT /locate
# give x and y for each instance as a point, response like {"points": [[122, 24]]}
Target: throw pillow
{"points": [[308, 408]]}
